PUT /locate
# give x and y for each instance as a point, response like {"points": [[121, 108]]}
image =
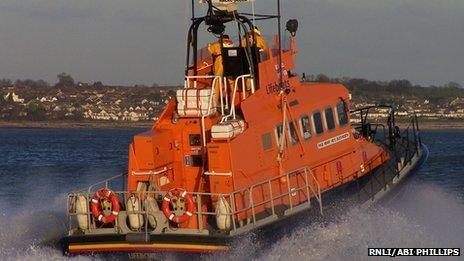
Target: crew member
{"points": [[216, 51], [260, 42]]}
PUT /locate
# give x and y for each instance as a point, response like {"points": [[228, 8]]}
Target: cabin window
{"points": [[278, 131], [305, 127], [329, 118], [292, 133], [195, 139], [341, 113], [318, 127], [267, 141]]}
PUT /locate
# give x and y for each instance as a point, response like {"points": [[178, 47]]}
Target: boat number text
{"points": [[333, 140]]}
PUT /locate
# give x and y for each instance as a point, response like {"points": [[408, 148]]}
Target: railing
{"points": [[311, 189], [215, 80], [223, 88], [402, 145], [223, 95], [368, 126], [408, 141], [105, 183], [242, 79], [405, 145]]}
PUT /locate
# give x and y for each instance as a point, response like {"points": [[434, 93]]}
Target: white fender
{"points": [[223, 218], [81, 210], [151, 206], [135, 220]]}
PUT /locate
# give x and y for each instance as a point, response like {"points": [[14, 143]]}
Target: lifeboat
{"points": [[245, 146]]}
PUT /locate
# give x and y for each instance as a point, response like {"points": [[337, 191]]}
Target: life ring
{"points": [[96, 207], [176, 196]]}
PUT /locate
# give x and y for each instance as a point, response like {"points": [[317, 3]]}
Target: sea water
{"points": [[39, 166]]}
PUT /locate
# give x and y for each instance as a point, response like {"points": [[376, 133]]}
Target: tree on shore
{"points": [[322, 78], [98, 84], [64, 80], [5, 82], [35, 111], [31, 83]]}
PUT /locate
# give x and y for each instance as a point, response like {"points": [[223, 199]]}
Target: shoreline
{"points": [[75, 124], [423, 125], [436, 125]]}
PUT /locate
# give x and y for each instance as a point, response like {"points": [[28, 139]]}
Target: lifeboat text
{"points": [[276, 88]]}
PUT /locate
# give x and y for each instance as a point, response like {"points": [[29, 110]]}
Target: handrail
{"points": [[288, 193], [222, 84], [318, 195], [404, 149], [242, 78], [105, 181], [210, 102], [222, 88], [151, 172], [196, 77], [214, 173]]}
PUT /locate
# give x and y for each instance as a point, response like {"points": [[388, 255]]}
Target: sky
{"points": [[127, 42]]}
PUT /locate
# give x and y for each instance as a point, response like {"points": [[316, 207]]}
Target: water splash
{"points": [[33, 231], [420, 216]]}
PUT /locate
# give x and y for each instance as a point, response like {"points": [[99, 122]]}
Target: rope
{"points": [[282, 135], [300, 138]]}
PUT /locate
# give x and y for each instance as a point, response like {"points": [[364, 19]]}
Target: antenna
{"points": [[280, 44], [253, 11]]}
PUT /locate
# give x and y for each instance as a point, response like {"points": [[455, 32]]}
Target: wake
{"points": [[420, 216]]}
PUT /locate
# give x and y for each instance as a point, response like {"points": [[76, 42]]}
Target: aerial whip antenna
{"points": [[253, 11]]}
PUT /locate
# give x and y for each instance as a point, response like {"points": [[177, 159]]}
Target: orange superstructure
{"points": [[317, 134]]}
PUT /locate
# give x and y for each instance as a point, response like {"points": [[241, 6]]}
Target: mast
{"points": [[279, 58], [283, 99], [193, 10]]}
